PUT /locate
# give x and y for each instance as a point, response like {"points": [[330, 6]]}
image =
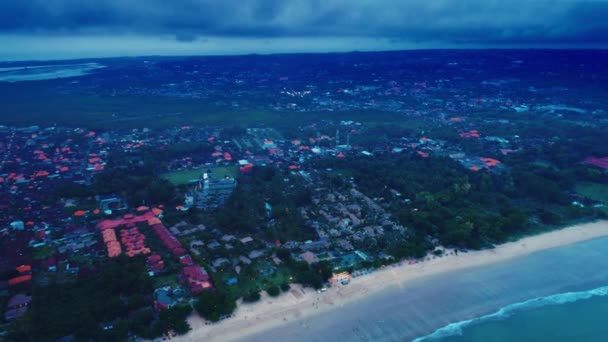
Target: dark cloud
{"points": [[487, 22]]}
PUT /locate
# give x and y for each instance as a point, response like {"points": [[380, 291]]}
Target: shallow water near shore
{"points": [[562, 317], [540, 291]]}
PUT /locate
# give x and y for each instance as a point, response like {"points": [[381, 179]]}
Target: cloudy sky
{"points": [[50, 29]]}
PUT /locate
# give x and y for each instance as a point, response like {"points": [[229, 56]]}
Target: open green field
{"points": [[183, 177], [39, 103], [187, 176], [594, 191]]}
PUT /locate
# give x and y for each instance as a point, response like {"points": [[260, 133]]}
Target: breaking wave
{"points": [[455, 329]]}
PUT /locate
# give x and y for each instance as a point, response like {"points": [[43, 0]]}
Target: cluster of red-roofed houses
{"points": [[130, 236], [24, 275], [133, 240], [193, 275]]}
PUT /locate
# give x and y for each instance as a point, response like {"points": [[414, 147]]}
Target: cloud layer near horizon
{"points": [[420, 22]]}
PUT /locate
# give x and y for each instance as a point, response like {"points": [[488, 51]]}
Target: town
{"points": [[198, 216]]}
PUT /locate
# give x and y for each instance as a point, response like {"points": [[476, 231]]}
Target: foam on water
{"points": [[455, 329], [45, 72]]}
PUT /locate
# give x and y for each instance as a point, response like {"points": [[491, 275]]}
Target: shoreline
{"points": [[299, 303]]}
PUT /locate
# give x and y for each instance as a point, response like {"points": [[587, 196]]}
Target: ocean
{"points": [[572, 316], [566, 316], [560, 294]]}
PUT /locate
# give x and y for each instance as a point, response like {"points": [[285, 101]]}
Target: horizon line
{"points": [[220, 55]]}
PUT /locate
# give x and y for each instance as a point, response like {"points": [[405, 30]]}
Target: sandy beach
{"points": [[300, 304]]}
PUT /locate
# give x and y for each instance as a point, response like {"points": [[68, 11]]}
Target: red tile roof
{"points": [[24, 268], [19, 280], [599, 162]]}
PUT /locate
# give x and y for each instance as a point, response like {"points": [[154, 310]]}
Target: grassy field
{"points": [[37, 103], [594, 191], [182, 177], [187, 176]]}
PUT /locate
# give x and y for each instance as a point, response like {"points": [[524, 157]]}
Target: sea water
{"points": [[572, 316], [559, 294]]}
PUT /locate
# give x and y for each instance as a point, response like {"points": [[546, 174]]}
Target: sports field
{"points": [[189, 176]]}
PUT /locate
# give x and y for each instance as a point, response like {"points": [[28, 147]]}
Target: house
{"points": [[228, 238], [256, 254], [196, 278], [309, 257], [220, 261], [342, 278], [186, 260], [169, 240], [17, 225], [112, 203], [246, 240], [212, 192], [17, 306], [213, 244], [231, 281], [245, 260], [155, 264]]}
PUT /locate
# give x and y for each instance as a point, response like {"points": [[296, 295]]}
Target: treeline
{"points": [[245, 210], [134, 178], [218, 304], [106, 307], [439, 198]]}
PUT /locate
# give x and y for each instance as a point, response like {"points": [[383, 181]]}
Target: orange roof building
{"points": [[112, 245], [19, 280], [24, 268], [80, 213]]}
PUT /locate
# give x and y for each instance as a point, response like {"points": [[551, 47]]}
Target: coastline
{"points": [[301, 304]]}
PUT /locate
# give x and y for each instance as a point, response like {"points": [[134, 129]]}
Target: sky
{"points": [[63, 29]]}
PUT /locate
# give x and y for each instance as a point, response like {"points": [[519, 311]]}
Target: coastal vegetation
{"points": [[103, 307], [336, 173]]}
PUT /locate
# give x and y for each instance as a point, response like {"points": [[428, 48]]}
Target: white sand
{"points": [[269, 312]]}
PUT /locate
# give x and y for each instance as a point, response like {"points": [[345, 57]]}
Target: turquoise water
{"points": [[572, 316]]}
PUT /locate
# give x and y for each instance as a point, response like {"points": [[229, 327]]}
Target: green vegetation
{"points": [[594, 191], [85, 307], [245, 210], [251, 297], [455, 205], [36, 103], [223, 171], [188, 176], [273, 291], [213, 306], [43, 252], [123, 175], [183, 177]]}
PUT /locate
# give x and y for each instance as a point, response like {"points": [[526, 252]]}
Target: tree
{"points": [[273, 291], [252, 296], [175, 319], [214, 305]]}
